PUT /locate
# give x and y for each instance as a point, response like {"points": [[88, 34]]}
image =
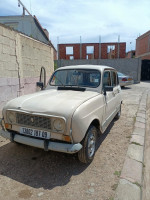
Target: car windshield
{"points": [[120, 74], [76, 77]]}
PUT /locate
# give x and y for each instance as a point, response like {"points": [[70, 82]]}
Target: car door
{"points": [[116, 91], [109, 79]]}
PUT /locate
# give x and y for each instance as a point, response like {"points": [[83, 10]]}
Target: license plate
{"points": [[35, 133], [129, 79]]}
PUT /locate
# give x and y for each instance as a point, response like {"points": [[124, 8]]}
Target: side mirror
{"points": [[108, 89], [40, 84]]}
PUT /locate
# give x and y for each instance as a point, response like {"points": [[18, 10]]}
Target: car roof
{"points": [[97, 67]]}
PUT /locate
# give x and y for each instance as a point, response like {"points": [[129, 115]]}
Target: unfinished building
{"points": [[92, 51]]}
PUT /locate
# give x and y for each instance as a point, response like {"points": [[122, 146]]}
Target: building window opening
{"points": [[90, 52], [71, 57], [69, 50], [90, 49], [111, 51]]}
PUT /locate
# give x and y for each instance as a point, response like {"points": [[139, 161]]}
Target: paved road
{"points": [[30, 173]]}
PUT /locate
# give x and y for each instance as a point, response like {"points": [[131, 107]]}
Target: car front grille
{"points": [[32, 120]]}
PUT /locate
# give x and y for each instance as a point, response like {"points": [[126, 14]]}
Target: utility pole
{"points": [[131, 46], [58, 47], [118, 45], [24, 8], [80, 47], [99, 47]]}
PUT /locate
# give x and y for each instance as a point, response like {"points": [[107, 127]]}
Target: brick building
{"points": [[143, 52], [143, 46], [130, 54], [92, 51]]}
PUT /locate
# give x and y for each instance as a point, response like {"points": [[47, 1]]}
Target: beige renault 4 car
{"points": [[78, 103]]}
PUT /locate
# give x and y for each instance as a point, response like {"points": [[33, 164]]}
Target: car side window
{"points": [[106, 79], [114, 79]]}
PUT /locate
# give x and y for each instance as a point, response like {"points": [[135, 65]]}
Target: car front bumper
{"points": [[39, 143]]}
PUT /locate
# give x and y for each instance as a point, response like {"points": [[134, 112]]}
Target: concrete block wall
{"points": [[21, 59], [127, 66]]}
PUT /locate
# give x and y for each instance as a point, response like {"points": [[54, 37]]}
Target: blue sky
{"points": [[71, 19]]}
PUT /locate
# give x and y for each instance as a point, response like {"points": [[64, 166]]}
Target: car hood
{"points": [[51, 102]]}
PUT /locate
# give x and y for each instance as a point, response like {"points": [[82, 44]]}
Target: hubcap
{"points": [[91, 145]]}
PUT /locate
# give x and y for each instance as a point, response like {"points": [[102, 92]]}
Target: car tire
{"points": [[86, 154], [118, 114]]}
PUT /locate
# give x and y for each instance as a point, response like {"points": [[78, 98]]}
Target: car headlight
{"points": [[59, 124], [11, 116]]}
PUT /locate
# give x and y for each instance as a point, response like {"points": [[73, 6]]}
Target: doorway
{"points": [[145, 70]]}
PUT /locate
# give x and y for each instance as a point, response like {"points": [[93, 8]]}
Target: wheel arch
{"points": [[95, 122]]}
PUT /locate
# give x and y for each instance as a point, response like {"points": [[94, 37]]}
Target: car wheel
{"points": [[86, 154], [118, 114]]}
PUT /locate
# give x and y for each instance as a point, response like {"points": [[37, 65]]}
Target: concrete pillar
{"points": [[80, 47], [58, 47], [118, 45], [99, 47]]}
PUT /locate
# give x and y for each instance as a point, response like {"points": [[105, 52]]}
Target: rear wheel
{"points": [[86, 154], [118, 114]]}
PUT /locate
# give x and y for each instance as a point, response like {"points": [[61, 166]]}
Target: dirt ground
{"points": [[30, 173]]}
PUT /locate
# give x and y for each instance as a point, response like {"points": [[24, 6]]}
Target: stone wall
{"points": [[21, 59], [130, 66]]}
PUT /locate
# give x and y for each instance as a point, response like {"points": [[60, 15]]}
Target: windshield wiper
{"points": [[71, 88]]}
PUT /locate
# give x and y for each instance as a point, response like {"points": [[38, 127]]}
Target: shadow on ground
{"points": [[145, 81], [37, 168], [125, 88]]}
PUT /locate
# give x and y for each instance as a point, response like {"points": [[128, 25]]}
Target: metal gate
{"points": [[145, 70]]}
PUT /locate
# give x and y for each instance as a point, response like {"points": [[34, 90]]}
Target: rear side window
{"points": [[117, 80], [114, 79], [106, 79]]}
